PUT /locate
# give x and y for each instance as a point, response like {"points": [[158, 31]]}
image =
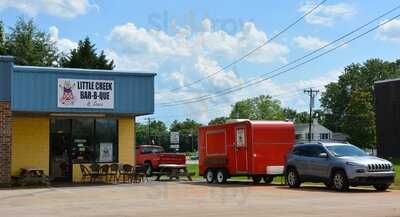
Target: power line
{"points": [[251, 51], [285, 93], [254, 81], [294, 61]]}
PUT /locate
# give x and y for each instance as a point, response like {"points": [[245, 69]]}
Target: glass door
{"points": [[60, 150]]}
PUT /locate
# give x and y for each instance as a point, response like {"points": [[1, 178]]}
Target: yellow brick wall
{"points": [[126, 146], [30, 143], [126, 139]]}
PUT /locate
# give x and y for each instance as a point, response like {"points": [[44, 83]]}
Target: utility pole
{"points": [[191, 136], [148, 130], [312, 93]]}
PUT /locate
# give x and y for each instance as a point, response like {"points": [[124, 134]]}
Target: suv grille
{"points": [[379, 167]]}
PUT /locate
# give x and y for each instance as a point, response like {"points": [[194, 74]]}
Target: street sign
{"points": [[174, 138], [174, 146]]}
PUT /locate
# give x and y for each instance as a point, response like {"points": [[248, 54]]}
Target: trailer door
{"points": [[241, 150]]}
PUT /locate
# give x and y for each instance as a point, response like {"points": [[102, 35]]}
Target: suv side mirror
{"points": [[323, 155]]}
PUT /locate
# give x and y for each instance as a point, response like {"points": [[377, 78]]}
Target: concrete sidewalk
{"points": [[184, 199]]}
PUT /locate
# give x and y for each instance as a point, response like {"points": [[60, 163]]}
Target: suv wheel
{"points": [[381, 187], [268, 179], [292, 178], [210, 176], [339, 181], [256, 179], [222, 176]]}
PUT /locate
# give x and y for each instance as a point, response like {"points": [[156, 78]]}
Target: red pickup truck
{"points": [[153, 155]]}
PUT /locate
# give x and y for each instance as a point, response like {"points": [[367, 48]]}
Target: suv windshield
{"points": [[345, 150]]}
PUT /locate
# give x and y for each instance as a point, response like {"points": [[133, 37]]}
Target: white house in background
{"points": [[318, 132]]}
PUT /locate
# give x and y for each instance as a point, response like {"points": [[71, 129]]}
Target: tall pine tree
{"points": [[2, 39], [29, 45], [84, 56]]}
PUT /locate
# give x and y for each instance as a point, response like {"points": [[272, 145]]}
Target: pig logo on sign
{"points": [[67, 97]]}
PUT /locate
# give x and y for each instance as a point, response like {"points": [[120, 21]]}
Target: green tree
{"points": [[84, 56], [29, 45], [258, 108], [218, 120], [157, 130], [356, 77], [302, 117], [188, 133], [289, 113], [359, 119], [2, 39]]}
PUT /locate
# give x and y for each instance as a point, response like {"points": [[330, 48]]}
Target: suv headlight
{"points": [[354, 164]]}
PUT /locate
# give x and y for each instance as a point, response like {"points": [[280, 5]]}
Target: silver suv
{"points": [[338, 165]]}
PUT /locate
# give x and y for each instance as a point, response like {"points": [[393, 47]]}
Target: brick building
{"points": [[57, 118]]}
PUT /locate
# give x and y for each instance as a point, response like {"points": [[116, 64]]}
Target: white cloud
{"points": [[327, 15], [290, 94], [309, 42], [130, 40], [187, 56], [390, 31], [207, 68], [58, 8], [62, 44]]}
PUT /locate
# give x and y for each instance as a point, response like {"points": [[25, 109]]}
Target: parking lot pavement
{"points": [[185, 199]]}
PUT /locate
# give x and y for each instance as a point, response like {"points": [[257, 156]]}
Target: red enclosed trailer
{"points": [[255, 149]]}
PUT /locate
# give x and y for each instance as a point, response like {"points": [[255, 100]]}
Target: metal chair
{"points": [[139, 174], [95, 171], [126, 172], [85, 173], [113, 175], [104, 172]]}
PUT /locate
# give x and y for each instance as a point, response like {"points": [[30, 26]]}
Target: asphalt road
{"points": [[192, 199]]}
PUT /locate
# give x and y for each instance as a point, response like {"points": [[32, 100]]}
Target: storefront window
{"points": [[106, 137], [94, 140]]}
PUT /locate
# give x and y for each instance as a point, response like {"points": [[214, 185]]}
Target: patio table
{"points": [[173, 171]]}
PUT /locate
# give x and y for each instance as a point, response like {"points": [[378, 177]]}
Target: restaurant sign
{"points": [[82, 93]]}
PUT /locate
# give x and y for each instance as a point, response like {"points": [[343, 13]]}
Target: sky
{"points": [[184, 41]]}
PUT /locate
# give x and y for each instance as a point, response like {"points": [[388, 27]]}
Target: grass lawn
{"points": [[195, 168], [396, 184]]}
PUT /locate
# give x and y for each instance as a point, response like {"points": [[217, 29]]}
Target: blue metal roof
{"points": [[34, 89]]}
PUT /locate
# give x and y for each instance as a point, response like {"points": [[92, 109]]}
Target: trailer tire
{"points": [[221, 176], [210, 176], [256, 179], [268, 179]]}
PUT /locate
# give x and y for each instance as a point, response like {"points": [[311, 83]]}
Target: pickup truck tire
{"points": [[148, 168], [268, 179], [221, 176], [381, 187], [210, 176]]}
